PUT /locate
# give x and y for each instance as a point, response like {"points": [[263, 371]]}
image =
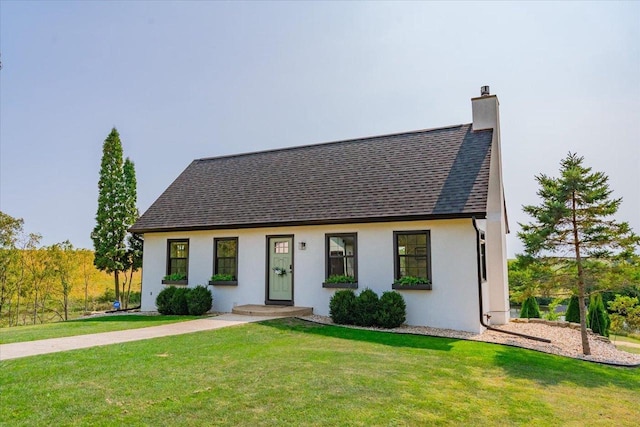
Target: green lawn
{"points": [[620, 342], [85, 326], [620, 338], [291, 373]]}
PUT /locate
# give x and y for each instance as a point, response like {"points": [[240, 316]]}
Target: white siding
{"points": [[452, 303]]}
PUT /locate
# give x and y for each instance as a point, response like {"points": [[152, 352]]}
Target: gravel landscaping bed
{"points": [[565, 341]]}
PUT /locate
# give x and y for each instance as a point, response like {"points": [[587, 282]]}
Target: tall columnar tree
{"points": [[115, 205], [575, 220], [134, 241], [573, 310], [130, 191], [598, 318]]}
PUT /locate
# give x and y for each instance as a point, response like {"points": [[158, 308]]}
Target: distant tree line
{"points": [[40, 284]]}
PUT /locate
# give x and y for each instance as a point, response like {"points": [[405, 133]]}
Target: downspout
{"points": [[480, 305]]}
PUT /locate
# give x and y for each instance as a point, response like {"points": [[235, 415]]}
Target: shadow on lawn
{"points": [[547, 369], [376, 337]]}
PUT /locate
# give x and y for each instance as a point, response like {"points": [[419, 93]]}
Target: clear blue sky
{"points": [[184, 80]]}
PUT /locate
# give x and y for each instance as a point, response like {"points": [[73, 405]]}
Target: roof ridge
{"points": [[342, 141]]}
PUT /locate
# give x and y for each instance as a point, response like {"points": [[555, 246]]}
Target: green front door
{"points": [[280, 273]]}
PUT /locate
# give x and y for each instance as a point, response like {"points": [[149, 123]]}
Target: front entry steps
{"points": [[272, 310]]}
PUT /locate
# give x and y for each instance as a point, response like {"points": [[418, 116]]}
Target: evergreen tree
{"points": [[131, 192], [112, 217], [530, 309], [573, 310], [598, 318], [575, 217], [133, 260]]}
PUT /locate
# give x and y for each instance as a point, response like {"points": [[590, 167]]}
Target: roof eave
{"points": [[431, 217]]}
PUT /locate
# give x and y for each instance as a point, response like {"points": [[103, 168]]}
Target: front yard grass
{"points": [[289, 372], [92, 325], [622, 341]]}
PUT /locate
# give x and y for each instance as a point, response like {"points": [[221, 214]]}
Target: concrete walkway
{"points": [[54, 345]]}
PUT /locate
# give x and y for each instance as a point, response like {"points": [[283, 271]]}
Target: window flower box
{"points": [[343, 285], [422, 287], [412, 283], [223, 283], [183, 282]]}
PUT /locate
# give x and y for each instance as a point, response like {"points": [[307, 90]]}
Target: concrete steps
{"points": [[272, 310]]}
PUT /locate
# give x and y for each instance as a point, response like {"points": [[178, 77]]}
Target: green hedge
{"points": [[366, 309], [181, 301], [341, 307], [392, 311], [163, 300], [199, 301]]}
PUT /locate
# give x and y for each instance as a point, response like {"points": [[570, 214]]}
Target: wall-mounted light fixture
{"points": [[302, 246]]}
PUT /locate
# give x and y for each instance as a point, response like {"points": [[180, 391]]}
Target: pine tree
{"points": [[575, 218], [573, 310], [112, 217], [598, 318], [530, 309]]}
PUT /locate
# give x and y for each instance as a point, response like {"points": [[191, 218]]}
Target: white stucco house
{"points": [[279, 223]]}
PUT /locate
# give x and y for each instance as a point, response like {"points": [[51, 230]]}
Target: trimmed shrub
{"points": [[342, 307], [163, 300], [598, 319], [392, 310], [530, 309], [573, 310], [366, 308], [178, 303], [199, 300]]}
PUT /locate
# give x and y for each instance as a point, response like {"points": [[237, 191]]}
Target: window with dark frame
{"points": [[412, 254], [341, 255], [178, 257], [226, 256]]}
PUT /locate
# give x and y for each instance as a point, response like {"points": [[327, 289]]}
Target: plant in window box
{"points": [[340, 281], [175, 279], [412, 283], [223, 280]]}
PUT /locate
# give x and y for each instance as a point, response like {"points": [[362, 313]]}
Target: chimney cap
{"points": [[484, 91]]}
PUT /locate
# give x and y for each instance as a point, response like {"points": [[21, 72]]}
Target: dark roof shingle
{"points": [[438, 173]]}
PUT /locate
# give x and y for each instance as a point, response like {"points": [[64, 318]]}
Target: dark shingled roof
{"points": [[428, 174]]}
